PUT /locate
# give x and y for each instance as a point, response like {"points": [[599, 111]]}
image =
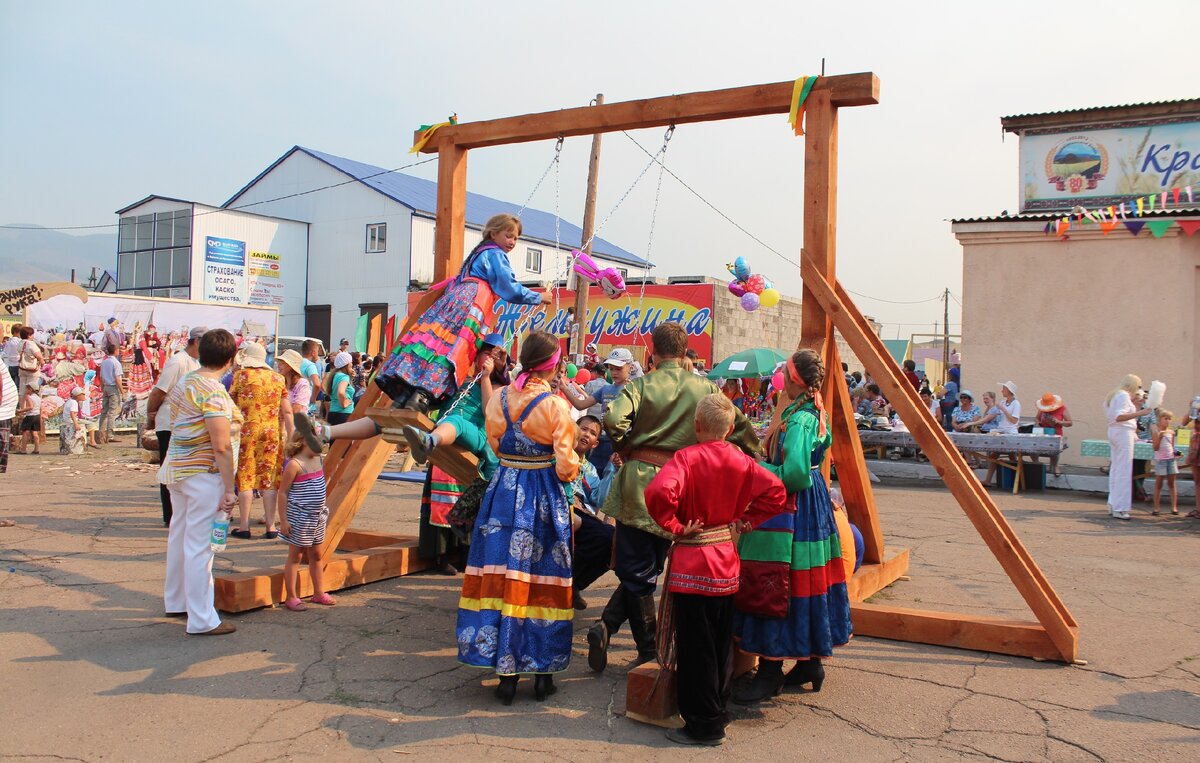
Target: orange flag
{"points": [[373, 336]]}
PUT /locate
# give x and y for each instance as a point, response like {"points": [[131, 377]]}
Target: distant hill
{"points": [[48, 255]]}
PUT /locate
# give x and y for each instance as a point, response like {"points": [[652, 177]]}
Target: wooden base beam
{"points": [[371, 557], [985, 634], [870, 579]]}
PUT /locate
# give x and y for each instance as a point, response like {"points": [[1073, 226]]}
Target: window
{"points": [[181, 264], [533, 260], [376, 238], [624, 272], [154, 253], [164, 228], [127, 237], [145, 232]]}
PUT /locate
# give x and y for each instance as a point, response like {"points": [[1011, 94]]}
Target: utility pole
{"points": [[589, 226], [945, 334]]}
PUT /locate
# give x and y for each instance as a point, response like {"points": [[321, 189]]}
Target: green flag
{"points": [[360, 333]]}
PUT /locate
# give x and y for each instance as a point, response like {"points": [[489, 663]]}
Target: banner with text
{"points": [[266, 279], [627, 321], [1097, 168], [224, 270]]}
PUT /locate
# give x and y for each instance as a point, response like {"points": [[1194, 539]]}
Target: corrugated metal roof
{"points": [[1048, 216], [1088, 109], [420, 195]]}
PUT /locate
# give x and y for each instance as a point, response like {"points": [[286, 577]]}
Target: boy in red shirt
{"points": [[698, 495]]}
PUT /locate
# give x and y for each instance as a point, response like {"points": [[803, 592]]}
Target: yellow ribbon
{"points": [[428, 133], [800, 90]]}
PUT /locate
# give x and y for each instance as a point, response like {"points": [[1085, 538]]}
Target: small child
{"points": [[593, 535], [302, 518], [1162, 437], [702, 491]]}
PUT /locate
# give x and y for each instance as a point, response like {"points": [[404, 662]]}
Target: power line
{"points": [[762, 243], [239, 206]]}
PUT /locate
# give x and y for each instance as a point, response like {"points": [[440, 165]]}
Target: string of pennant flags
{"points": [[1114, 215]]}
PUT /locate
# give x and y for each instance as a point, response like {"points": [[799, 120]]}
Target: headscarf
{"points": [[549, 363], [818, 403]]}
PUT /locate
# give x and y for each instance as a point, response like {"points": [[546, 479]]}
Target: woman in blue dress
{"points": [[804, 616], [515, 612]]}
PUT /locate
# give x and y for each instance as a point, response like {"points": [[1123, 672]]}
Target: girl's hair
{"points": [[294, 445], [812, 371], [1163, 413], [26, 332], [1131, 384], [991, 395], [537, 348], [499, 223]]}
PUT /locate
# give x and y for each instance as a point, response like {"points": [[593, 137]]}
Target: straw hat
{"points": [[252, 355], [292, 360], [1011, 387], [1049, 402]]}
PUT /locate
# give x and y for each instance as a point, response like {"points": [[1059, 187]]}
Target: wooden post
{"points": [[820, 210], [451, 211], [589, 229]]}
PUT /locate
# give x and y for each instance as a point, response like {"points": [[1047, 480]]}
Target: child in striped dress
{"points": [[302, 518]]}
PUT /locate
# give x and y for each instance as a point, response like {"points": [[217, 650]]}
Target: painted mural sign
{"points": [[626, 322], [224, 270], [266, 278], [1099, 167]]}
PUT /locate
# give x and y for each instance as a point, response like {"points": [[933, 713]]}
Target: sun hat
{"points": [[1011, 387], [252, 355], [619, 357], [967, 394], [1049, 402], [78, 392], [342, 359], [292, 359]]}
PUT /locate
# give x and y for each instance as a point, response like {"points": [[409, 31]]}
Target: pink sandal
{"points": [[324, 599], [295, 605]]}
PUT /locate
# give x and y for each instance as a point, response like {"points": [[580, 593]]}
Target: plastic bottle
{"points": [[220, 531]]}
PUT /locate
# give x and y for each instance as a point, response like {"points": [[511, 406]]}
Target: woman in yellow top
{"points": [[516, 609], [260, 394]]}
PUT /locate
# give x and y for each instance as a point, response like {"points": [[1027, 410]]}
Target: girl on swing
{"points": [[435, 357]]}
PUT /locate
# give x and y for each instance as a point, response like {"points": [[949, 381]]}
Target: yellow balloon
{"points": [[769, 298]]}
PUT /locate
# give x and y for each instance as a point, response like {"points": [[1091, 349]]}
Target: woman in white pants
{"points": [[1122, 417], [200, 473]]}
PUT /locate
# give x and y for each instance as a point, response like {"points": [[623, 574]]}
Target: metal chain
{"points": [[638, 179], [466, 390], [662, 165], [550, 166], [557, 220]]}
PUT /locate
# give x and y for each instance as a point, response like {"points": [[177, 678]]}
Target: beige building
{"points": [[1073, 315]]}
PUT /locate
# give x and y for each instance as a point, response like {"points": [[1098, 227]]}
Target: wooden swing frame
{"points": [[352, 467]]}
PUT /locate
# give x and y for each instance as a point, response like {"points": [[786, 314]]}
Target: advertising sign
{"points": [[1096, 168], [627, 321], [224, 270], [266, 279]]}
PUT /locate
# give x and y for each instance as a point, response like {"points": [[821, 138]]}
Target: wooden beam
{"points": [[458, 463], [986, 634], [451, 210], [820, 211], [989, 522], [871, 578], [710, 106]]}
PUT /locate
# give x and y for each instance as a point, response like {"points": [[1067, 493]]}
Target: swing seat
{"points": [[453, 460]]}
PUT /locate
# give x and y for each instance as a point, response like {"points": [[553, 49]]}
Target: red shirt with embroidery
{"points": [[717, 484]]}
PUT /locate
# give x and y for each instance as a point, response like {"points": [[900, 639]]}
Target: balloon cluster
{"points": [[578, 375], [754, 290]]}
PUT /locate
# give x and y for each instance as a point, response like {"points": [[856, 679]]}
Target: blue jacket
{"points": [[489, 262]]}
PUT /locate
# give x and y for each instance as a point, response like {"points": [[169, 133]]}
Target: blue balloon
{"points": [[859, 546], [741, 269]]}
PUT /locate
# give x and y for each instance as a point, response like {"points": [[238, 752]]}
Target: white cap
{"points": [[619, 357], [341, 360]]}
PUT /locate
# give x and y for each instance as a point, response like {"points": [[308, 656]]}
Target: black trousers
{"points": [[640, 559], [593, 550], [164, 495], [704, 662]]}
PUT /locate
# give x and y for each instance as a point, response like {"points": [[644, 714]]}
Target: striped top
{"points": [[307, 493], [192, 401]]}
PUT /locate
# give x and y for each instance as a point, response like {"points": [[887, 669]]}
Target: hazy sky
{"points": [[108, 102]]}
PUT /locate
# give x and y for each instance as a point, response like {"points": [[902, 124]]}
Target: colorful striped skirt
{"points": [[515, 612], [818, 616], [438, 352]]}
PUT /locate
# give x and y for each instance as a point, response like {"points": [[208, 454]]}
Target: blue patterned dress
{"points": [[516, 608]]}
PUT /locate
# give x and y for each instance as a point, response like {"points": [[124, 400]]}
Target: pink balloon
{"points": [[583, 376], [777, 381], [736, 288], [755, 284], [749, 302]]}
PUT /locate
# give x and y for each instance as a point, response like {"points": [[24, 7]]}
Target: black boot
{"points": [[543, 686], [398, 391], [643, 623], [805, 672], [599, 634], [507, 689], [419, 401], [767, 682]]}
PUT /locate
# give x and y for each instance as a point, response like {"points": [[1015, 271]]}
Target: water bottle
{"points": [[220, 531]]}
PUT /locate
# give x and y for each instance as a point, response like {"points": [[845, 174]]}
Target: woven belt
{"points": [[652, 456], [526, 462], [709, 537]]}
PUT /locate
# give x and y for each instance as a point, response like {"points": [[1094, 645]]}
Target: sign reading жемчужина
{"points": [[1105, 165]]}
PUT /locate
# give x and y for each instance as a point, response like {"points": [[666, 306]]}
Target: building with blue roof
{"points": [[345, 238]]}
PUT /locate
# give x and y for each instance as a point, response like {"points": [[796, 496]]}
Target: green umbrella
{"points": [[748, 364]]}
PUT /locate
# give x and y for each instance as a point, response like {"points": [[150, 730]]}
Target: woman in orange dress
{"points": [[260, 394]]}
